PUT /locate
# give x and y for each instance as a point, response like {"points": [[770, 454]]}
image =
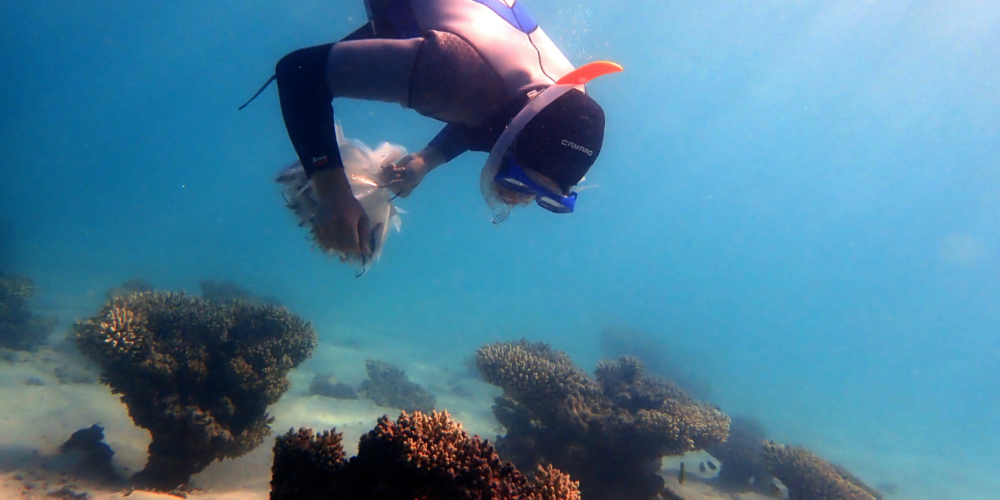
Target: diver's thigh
{"points": [[374, 69]]}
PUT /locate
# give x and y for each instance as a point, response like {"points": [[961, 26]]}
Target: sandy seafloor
{"points": [[40, 412]]}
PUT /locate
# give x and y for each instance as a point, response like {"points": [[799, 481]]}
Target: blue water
{"points": [[799, 198]]}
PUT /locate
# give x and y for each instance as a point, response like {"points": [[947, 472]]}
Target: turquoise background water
{"points": [[799, 198]]}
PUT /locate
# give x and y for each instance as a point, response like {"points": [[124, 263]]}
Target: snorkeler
{"points": [[476, 65]]}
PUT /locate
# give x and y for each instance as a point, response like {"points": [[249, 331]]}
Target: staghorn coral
{"points": [[20, 329], [809, 477], [198, 375], [388, 386], [742, 456], [610, 432], [418, 456]]}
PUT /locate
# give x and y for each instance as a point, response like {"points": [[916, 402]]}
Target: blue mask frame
{"points": [[512, 176]]}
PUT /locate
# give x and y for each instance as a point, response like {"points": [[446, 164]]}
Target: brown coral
{"points": [[551, 484], [809, 477], [418, 456], [304, 463], [611, 433], [198, 375], [533, 371], [389, 386]]}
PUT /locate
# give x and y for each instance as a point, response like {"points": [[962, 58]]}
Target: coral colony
{"points": [[609, 433], [198, 375], [809, 477], [389, 386], [20, 329], [417, 456]]}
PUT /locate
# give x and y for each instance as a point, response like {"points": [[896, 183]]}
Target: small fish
{"points": [[701, 467], [711, 465], [681, 475], [774, 491]]}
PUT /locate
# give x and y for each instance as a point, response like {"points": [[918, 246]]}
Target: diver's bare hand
{"points": [[407, 173], [340, 223]]}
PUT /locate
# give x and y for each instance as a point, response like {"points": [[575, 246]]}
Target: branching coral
{"points": [[20, 329], [742, 456], [418, 456], [198, 375], [388, 386], [610, 433], [809, 477]]}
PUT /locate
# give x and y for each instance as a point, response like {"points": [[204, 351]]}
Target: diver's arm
{"points": [[340, 223], [451, 141]]}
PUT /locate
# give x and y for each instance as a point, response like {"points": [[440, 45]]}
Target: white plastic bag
{"points": [[363, 167]]}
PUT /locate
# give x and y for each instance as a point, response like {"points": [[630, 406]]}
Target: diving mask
{"points": [[514, 178]]}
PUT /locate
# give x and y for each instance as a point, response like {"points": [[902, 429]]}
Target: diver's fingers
{"points": [[404, 161], [396, 185], [392, 173], [365, 235], [328, 243], [342, 237]]}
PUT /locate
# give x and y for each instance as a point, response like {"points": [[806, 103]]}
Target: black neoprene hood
{"points": [[563, 140]]}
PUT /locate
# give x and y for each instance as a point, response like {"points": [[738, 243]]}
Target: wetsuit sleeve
{"points": [[451, 141], [306, 107], [455, 139]]}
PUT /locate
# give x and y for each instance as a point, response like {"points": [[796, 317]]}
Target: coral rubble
{"points": [[198, 375], [610, 433], [809, 477], [388, 386], [20, 329], [742, 456], [418, 456]]}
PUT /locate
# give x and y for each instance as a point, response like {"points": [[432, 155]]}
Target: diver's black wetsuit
{"points": [[470, 63]]}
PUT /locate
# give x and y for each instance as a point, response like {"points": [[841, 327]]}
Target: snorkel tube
{"points": [[577, 77]]}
